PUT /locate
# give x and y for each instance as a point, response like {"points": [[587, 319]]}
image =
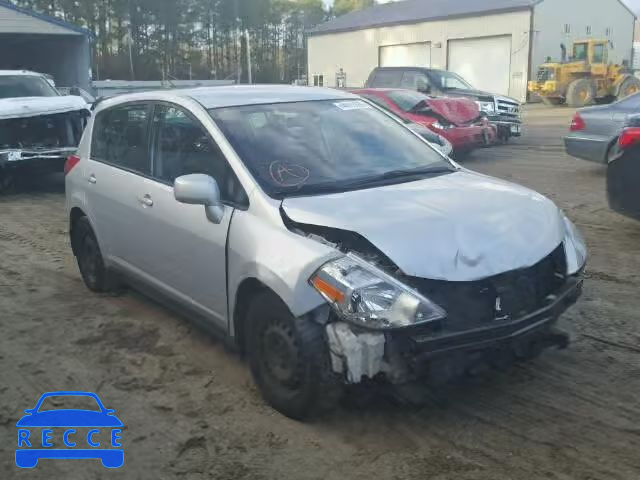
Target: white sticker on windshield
{"points": [[352, 105]]}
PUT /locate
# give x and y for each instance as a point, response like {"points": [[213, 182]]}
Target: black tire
{"points": [[89, 257], [6, 180], [629, 86], [289, 360], [580, 93]]}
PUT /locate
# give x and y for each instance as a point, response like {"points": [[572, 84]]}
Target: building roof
{"points": [[237, 95], [414, 11], [25, 14]]}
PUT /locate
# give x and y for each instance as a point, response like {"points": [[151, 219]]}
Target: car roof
{"points": [[236, 95], [22, 73]]}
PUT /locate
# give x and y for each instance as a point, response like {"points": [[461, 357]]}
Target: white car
{"points": [[39, 128], [318, 235]]}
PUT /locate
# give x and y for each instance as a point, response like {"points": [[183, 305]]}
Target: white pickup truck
{"points": [[39, 127]]}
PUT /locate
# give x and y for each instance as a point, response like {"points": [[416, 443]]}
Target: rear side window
{"points": [[415, 81], [120, 138], [386, 79]]}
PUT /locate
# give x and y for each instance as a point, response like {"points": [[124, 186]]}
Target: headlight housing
{"points": [[368, 297], [574, 246], [440, 126], [487, 107]]}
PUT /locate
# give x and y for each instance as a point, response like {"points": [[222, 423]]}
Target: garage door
{"points": [[483, 62], [407, 55]]}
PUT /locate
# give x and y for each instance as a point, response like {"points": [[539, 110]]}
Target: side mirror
{"points": [[200, 189]]}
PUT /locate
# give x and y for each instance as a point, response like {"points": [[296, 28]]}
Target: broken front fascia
{"points": [[44, 137]]}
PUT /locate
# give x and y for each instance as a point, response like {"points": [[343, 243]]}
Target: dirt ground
{"points": [[191, 411]]}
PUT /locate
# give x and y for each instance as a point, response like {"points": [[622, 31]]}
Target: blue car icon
{"points": [[32, 448]]}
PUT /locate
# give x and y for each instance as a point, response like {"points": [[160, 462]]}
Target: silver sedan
{"points": [[595, 130]]}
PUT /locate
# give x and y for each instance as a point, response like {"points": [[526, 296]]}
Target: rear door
{"points": [[118, 166]]}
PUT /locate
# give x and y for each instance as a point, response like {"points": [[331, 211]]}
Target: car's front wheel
{"points": [[289, 359]]}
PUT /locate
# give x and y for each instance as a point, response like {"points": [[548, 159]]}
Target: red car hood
{"points": [[459, 111]]}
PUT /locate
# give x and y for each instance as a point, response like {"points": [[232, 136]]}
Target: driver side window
{"points": [[183, 147]]}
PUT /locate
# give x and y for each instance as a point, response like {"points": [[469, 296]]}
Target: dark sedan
{"points": [[594, 131], [623, 172]]}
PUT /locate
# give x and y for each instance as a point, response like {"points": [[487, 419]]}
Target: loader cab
{"points": [[592, 52]]}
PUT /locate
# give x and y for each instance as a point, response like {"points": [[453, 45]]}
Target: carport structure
{"points": [[31, 41]]}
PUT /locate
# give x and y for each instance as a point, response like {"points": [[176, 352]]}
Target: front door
{"points": [[186, 253]]}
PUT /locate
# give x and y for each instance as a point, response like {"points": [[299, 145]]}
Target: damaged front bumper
{"points": [[45, 160], [405, 355]]}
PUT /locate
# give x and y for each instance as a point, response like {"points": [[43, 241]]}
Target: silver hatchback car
{"points": [[319, 236]]}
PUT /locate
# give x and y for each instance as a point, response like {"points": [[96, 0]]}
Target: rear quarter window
{"points": [[120, 138], [386, 79]]}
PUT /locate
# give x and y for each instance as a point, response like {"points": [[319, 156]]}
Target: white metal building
{"points": [[30, 41], [497, 45]]}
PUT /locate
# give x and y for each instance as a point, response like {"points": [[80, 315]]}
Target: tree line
{"points": [[200, 39]]}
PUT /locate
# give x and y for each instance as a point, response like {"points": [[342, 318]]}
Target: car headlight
{"points": [[574, 246], [366, 296], [487, 107]]}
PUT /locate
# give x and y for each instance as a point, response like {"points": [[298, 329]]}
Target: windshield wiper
{"points": [[382, 179]]}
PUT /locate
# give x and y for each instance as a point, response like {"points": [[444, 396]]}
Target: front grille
{"points": [[507, 107], [503, 298], [545, 74]]}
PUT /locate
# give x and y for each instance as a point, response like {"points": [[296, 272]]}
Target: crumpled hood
{"points": [[459, 111], [22, 107], [457, 227]]}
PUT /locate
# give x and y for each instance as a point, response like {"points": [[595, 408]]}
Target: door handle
{"points": [[146, 201], [92, 179]]}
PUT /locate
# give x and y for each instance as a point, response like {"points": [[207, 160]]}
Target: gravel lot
{"points": [[191, 411]]}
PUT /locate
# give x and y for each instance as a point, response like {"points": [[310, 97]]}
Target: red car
{"points": [[456, 119]]}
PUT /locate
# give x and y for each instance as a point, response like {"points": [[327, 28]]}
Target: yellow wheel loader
{"points": [[585, 78]]}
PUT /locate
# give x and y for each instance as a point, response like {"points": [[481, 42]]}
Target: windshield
{"points": [[580, 51], [322, 146], [69, 402], [407, 100], [15, 86], [447, 80]]}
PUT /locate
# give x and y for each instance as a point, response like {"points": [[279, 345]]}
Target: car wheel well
{"points": [[75, 215], [610, 148], [247, 291]]}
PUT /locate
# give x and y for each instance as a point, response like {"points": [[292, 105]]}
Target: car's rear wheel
{"points": [[289, 359], [95, 274], [6, 180]]}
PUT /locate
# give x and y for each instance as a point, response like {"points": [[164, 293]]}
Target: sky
{"points": [[633, 4]]}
